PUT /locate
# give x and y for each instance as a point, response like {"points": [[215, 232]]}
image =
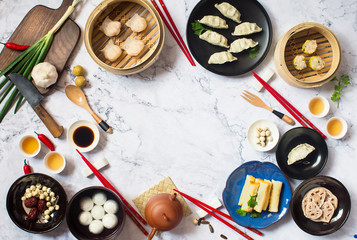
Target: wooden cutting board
{"points": [[37, 22]]}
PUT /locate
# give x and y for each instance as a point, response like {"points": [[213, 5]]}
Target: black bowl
{"points": [[73, 211], [340, 215], [312, 164], [15, 208], [252, 11]]}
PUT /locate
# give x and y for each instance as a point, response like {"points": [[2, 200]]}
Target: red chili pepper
{"points": [[46, 141], [15, 46], [27, 168]]}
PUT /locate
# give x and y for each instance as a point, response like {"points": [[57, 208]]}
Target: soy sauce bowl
{"points": [[83, 135]]}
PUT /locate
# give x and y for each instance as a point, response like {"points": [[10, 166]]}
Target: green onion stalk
{"points": [[24, 64]]}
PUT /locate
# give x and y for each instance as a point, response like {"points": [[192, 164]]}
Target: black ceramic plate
{"points": [[312, 164], [73, 211], [251, 11], [340, 215], [15, 208]]}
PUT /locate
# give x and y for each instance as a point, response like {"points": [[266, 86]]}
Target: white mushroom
{"points": [[44, 74], [267, 133], [270, 138]]}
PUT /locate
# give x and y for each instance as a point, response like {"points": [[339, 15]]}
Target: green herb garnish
{"points": [[197, 27], [343, 81], [252, 201], [241, 212], [254, 214], [254, 52]]}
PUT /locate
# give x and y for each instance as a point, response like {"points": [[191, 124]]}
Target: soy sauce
{"points": [[83, 136]]}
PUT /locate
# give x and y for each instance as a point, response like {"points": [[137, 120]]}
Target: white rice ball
{"points": [[111, 206], [86, 204], [85, 218], [97, 212], [96, 227], [110, 221], [99, 198]]}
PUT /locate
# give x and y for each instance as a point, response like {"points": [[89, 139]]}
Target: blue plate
{"points": [[234, 186]]}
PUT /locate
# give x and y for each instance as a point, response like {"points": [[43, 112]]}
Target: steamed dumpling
{"points": [[96, 227], [111, 206], [133, 46], [221, 57], [110, 28], [136, 23], [111, 51], [214, 38], [246, 28], [229, 11], [242, 44], [214, 21], [86, 204], [99, 198], [85, 218], [110, 220], [97, 212]]}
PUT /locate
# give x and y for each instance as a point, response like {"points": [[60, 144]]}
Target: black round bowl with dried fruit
{"points": [[28, 208]]}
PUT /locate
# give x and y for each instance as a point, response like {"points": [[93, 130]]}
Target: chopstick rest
{"points": [[99, 164], [266, 76], [216, 203]]}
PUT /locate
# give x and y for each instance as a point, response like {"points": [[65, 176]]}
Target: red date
{"points": [[31, 202], [33, 214], [41, 205]]}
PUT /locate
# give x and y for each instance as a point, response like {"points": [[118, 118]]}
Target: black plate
{"points": [[340, 215], [16, 211], [252, 11], [73, 211], [313, 163]]}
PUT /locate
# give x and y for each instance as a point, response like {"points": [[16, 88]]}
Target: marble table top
{"points": [[181, 121]]}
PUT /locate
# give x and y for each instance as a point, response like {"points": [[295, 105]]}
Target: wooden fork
{"points": [[256, 101]]}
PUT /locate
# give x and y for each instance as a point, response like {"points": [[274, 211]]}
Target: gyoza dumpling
{"points": [[214, 21], [221, 57], [246, 28], [136, 23], [133, 46], [242, 44], [214, 38], [229, 11]]}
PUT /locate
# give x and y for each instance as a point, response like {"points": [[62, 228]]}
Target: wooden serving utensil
{"points": [[256, 101], [76, 95]]}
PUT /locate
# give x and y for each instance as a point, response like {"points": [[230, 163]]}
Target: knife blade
{"points": [[34, 98]]}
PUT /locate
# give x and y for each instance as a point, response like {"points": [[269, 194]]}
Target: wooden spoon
{"points": [[76, 95]]}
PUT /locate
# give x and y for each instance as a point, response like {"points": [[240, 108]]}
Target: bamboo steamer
{"points": [[290, 44], [122, 10]]}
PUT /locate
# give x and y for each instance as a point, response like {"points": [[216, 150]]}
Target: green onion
{"points": [[25, 62]]}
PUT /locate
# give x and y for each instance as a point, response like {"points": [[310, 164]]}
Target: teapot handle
{"points": [[153, 231]]}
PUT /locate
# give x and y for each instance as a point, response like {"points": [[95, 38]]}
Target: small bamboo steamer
{"points": [[122, 10], [290, 45]]}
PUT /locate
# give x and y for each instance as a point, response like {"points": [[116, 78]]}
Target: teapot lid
{"points": [[164, 211]]}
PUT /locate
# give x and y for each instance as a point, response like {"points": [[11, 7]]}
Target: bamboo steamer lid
{"points": [[122, 10], [290, 44]]}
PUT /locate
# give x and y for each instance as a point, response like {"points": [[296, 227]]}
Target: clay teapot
{"points": [[163, 212]]}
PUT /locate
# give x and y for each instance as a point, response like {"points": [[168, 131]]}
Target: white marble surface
{"points": [[180, 121]]}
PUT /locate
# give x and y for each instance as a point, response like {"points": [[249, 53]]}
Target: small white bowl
{"points": [[252, 135], [326, 106], [46, 159], [23, 138], [83, 123], [343, 130]]}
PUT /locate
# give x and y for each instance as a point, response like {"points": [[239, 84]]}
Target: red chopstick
{"points": [[128, 208], [175, 33], [207, 208], [290, 108]]}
